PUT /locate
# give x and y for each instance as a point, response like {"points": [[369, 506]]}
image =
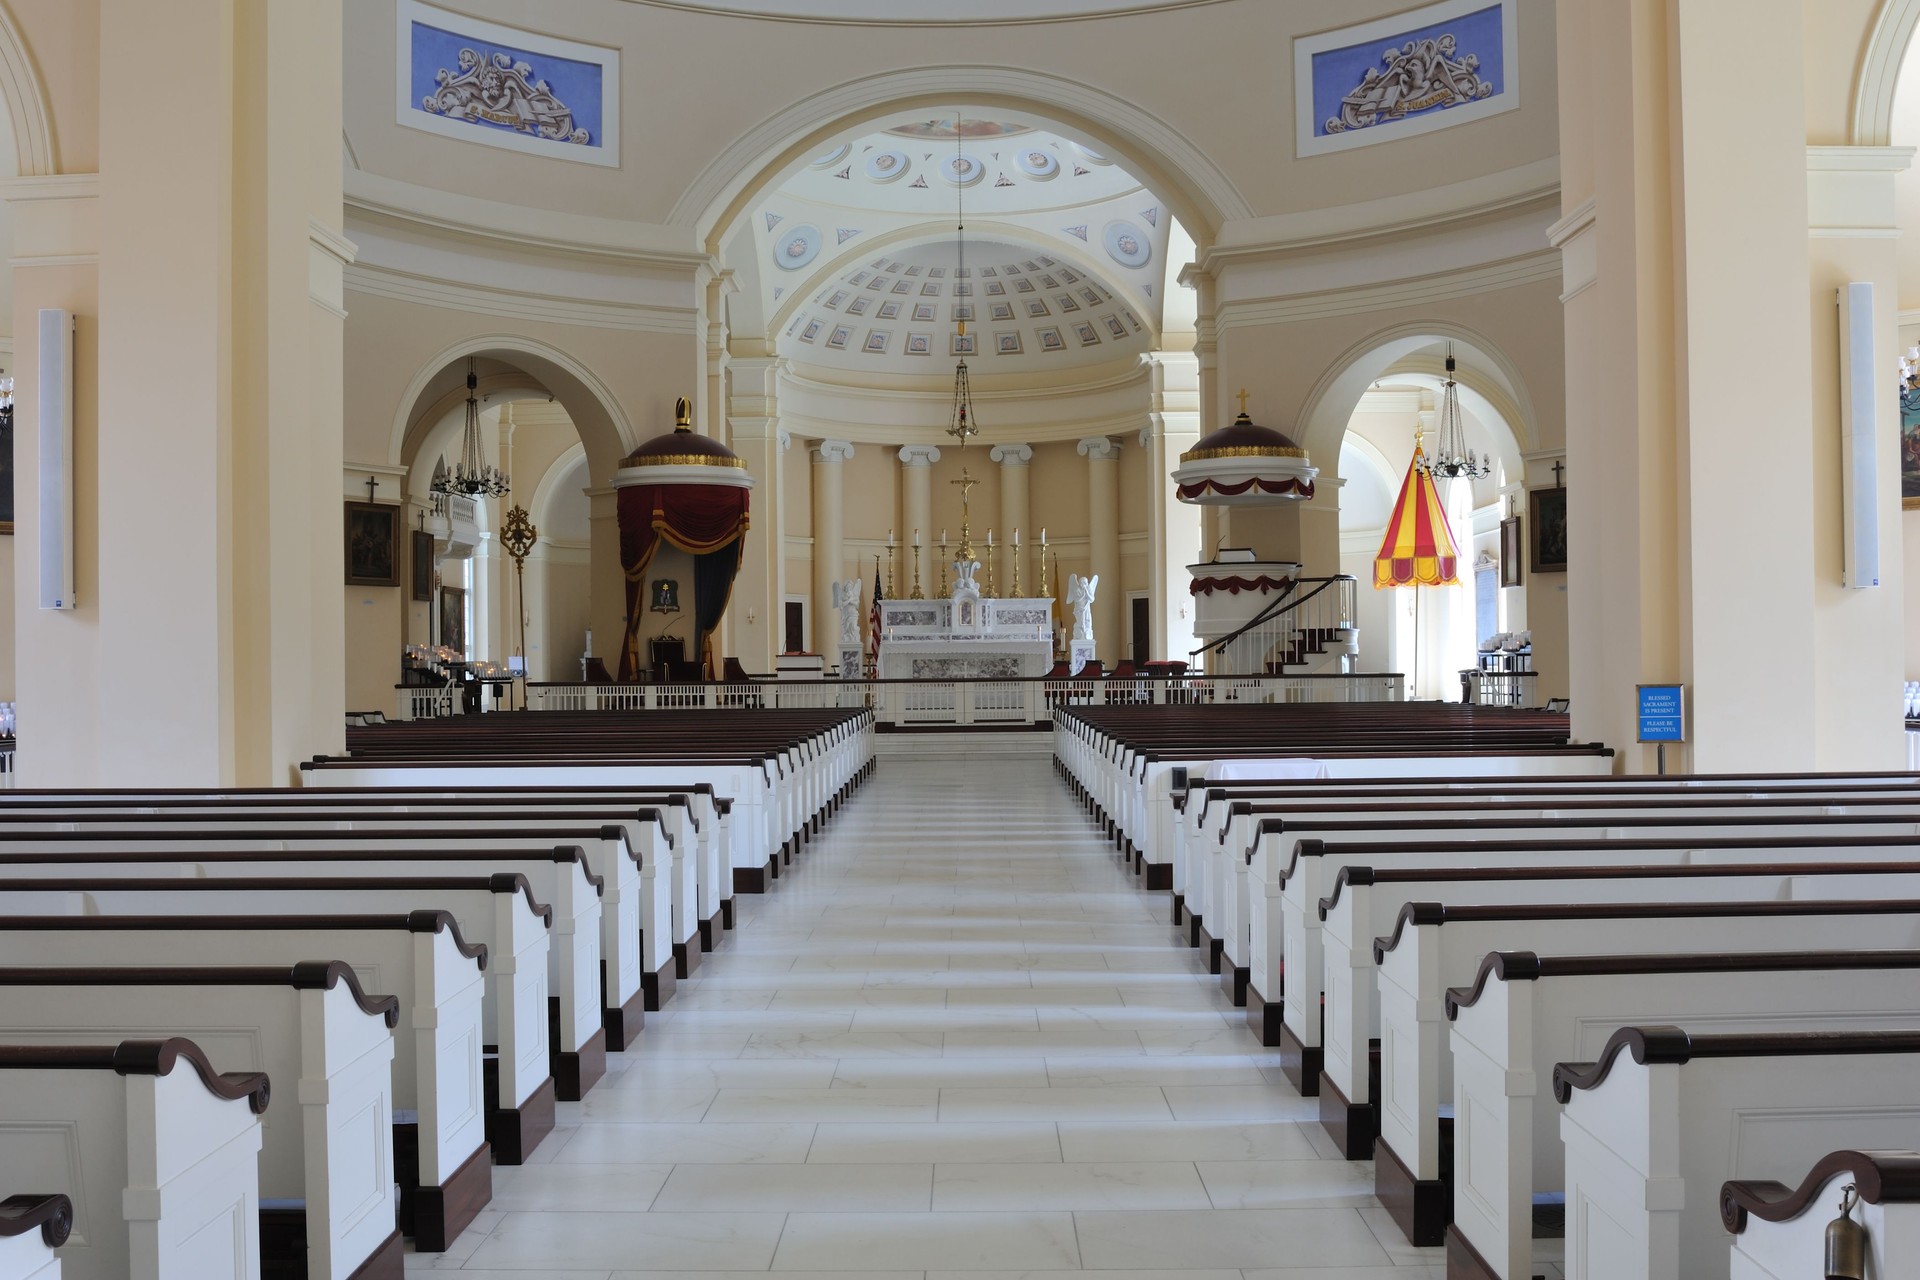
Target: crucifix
{"points": [[373, 482], [966, 483], [1557, 468], [1243, 397]]}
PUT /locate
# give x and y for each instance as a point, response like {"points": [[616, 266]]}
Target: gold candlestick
{"points": [[1044, 590], [945, 590], [1016, 572], [988, 593], [891, 594]]}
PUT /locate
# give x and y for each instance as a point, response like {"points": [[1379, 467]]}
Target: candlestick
{"points": [[890, 592], [1016, 539], [1016, 566], [989, 539], [889, 538], [916, 539]]}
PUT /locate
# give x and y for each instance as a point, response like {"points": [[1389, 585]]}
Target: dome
{"points": [[1244, 439], [683, 456]]}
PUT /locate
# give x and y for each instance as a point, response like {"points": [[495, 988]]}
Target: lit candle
{"points": [[1016, 539], [943, 537], [916, 539], [1043, 537], [989, 539], [889, 539]]}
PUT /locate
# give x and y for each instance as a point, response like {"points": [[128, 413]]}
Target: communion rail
{"points": [[933, 702]]}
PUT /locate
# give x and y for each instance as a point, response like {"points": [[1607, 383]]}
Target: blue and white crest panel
{"points": [[1412, 73], [477, 81]]}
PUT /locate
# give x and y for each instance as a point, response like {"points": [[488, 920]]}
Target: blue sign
{"points": [[1663, 713]]}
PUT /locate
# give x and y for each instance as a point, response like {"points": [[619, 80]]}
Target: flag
{"points": [[873, 619]]}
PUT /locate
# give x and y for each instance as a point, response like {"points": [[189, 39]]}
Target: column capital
{"points": [[832, 451], [786, 440], [1012, 455], [1099, 449], [919, 455]]}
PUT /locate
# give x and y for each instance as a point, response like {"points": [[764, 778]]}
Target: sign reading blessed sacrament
{"points": [[1411, 73], [480, 82]]}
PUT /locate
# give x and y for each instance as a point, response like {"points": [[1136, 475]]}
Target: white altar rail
{"points": [[942, 702]]}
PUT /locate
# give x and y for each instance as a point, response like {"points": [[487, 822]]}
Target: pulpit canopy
{"points": [[691, 492], [1244, 464]]}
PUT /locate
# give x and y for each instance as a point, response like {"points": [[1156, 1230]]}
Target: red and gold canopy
{"points": [[1419, 549]]}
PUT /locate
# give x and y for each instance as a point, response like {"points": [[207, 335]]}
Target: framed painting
{"points": [[1547, 514], [1510, 552], [6, 470], [420, 566], [453, 618], [373, 544], [1909, 450]]}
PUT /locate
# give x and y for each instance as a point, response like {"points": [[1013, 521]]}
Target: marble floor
{"points": [[954, 1043]]}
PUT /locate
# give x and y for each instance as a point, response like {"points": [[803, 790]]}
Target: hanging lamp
{"points": [[471, 477], [960, 422], [1451, 459]]}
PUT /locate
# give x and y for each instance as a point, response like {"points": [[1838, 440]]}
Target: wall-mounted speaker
{"points": [[1861, 386], [54, 392]]}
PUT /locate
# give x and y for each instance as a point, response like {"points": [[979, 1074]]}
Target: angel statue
{"points": [[846, 598], [1080, 593]]}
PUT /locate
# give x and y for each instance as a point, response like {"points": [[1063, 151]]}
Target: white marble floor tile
{"points": [[858, 1242], [844, 1044], [699, 1241], [1228, 1238], [1288, 1184], [1115, 1102], [942, 1143], [1223, 1070], [688, 1144], [941, 1073], [1220, 1140], [852, 1105], [536, 1188], [1240, 1102], [1136, 1185], [839, 1188]]}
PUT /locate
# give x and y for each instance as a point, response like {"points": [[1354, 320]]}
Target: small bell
{"points": [[1846, 1241]]}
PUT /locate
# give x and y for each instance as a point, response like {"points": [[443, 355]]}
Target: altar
{"points": [[968, 637]]}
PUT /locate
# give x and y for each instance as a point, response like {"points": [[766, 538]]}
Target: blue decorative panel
{"points": [[479, 82], [1427, 69]]}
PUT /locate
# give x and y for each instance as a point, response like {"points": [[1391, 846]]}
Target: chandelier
{"points": [[960, 423], [471, 477], [1451, 459]]}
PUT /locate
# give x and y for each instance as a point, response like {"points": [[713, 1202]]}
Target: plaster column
{"points": [[606, 578], [208, 648], [916, 473], [1015, 513], [829, 547], [1684, 253], [1103, 542], [753, 416], [1173, 527]]}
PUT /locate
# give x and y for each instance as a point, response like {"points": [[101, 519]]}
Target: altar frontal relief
{"points": [[1428, 69], [503, 87]]}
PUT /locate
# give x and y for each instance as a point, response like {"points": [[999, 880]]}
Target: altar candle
{"points": [[889, 539], [1016, 539], [1043, 537], [943, 537], [916, 539], [989, 539]]}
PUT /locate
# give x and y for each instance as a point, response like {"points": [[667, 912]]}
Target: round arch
{"points": [[1879, 75], [547, 490], [1184, 176], [605, 430], [26, 103], [1324, 414]]}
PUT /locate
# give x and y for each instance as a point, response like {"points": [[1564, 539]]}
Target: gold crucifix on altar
{"points": [[966, 483]]}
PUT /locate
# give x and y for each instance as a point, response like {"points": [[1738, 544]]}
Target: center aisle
{"points": [[954, 1042]]}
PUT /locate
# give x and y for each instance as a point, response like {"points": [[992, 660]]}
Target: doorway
{"points": [[794, 627], [1141, 629]]}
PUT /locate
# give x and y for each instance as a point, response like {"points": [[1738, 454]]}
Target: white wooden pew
{"points": [[1779, 1231], [1366, 901], [560, 876], [158, 1152], [443, 1125], [1525, 1013], [31, 1228], [326, 1164], [1663, 1119], [497, 912], [1435, 947]]}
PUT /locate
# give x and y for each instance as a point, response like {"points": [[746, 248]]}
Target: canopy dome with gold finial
{"points": [[683, 456], [1244, 464]]}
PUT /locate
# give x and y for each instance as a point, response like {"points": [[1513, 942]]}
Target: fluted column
{"points": [[1014, 514], [829, 550], [916, 463], [1103, 540], [753, 418]]}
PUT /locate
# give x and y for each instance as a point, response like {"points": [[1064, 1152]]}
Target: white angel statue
{"points": [[846, 598], [1080, 593]]}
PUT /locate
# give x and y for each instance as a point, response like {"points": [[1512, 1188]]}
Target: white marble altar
{"points": [[965, 638]]}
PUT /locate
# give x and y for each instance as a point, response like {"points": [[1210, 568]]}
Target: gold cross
{"points": [[966, 483], [1243, 398]]}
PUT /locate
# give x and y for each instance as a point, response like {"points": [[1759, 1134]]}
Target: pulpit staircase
{"points": [[1309, 630]]}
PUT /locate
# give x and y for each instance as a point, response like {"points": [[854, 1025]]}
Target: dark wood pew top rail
{"points": [[1673, 1045], [497, 882], [1527, 966], [51, 1215], [1358, 790], [1439, 913], [308, 975], [1359, 875], [301, 826], [141, 1058], [1837, 839], [422, 921], [1369, 815], [134, 854], [1880, 1177]]}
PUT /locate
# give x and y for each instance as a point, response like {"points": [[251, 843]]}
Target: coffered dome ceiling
{"points": [[859, 268]]}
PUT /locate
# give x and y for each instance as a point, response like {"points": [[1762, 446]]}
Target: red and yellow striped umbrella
{"points": [[1419, 549]]}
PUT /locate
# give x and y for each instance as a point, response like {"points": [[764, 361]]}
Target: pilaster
{"points": [[829, 546], [1015, 516], [1103, 539], [916, 475]]}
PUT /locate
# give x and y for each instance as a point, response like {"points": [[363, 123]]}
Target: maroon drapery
{"points": [[1233, 584], [697, 518], [1201, 488]]}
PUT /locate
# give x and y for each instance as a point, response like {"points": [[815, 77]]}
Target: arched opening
{"points": [[1431, 634]]}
